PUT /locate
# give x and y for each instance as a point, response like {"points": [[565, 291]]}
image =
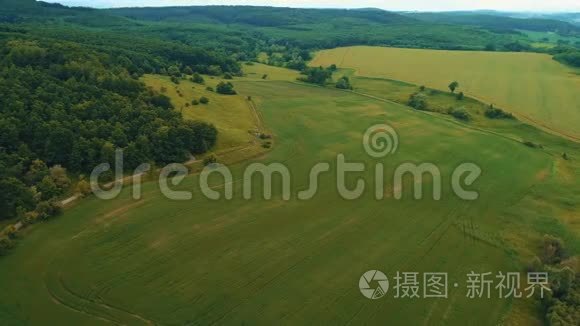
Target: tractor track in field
{"points": [[98, 310]]}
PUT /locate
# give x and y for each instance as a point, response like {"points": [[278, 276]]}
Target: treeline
{"points": [[501, 24], [258, 28], [569, 57], [65, 108]]}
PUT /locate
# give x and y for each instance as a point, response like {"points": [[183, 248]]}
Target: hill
{"points": [[499, 23], [530, 84]]}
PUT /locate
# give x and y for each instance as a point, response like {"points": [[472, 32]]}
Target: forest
{"points": [[69, 89]]}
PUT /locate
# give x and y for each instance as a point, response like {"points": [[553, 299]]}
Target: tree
{"points": [[316, 75], [490, 47], [174, 71], [343, 83], [187, 70], [14, 195], [48, 209], [453, 86], [226, 88], [197, 78], [36, 172], [59, 176], [48, 189], [83, 188]]}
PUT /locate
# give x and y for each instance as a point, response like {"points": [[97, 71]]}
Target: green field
{"points": [[531, 85], [297, 262]]}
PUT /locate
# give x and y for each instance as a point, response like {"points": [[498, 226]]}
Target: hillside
{"points": [[266, 172], [324, 28], [529, 84], [499, 23]]}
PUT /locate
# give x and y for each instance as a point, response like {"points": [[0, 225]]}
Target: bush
{"points": [[48, 209], [495, 113], [265, 76], [228, 76], [418, 101], [553, 250], [209, 160], [195, 102], [532, 144], [175, 80], [197, 78], [209, 89], [344, 83], [534, 265], [460, 114], [203, 100], [30, 218], [226, 88], [9, 232], [460, 96], [5, 245]]}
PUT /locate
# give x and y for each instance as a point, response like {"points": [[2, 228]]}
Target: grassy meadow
{"points": [[231, 115], [531, 85], [264, 262]]}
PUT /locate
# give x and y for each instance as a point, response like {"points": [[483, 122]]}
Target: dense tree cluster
{"points": [[225, 88], [317, 75], [66, 105], [569, 57], [562, 302]]}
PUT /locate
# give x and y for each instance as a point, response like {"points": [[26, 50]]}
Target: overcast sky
{"points": [[419, 5]]}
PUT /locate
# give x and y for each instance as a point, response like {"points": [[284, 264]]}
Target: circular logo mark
{"points": [[381, 284], [380, 141]]}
